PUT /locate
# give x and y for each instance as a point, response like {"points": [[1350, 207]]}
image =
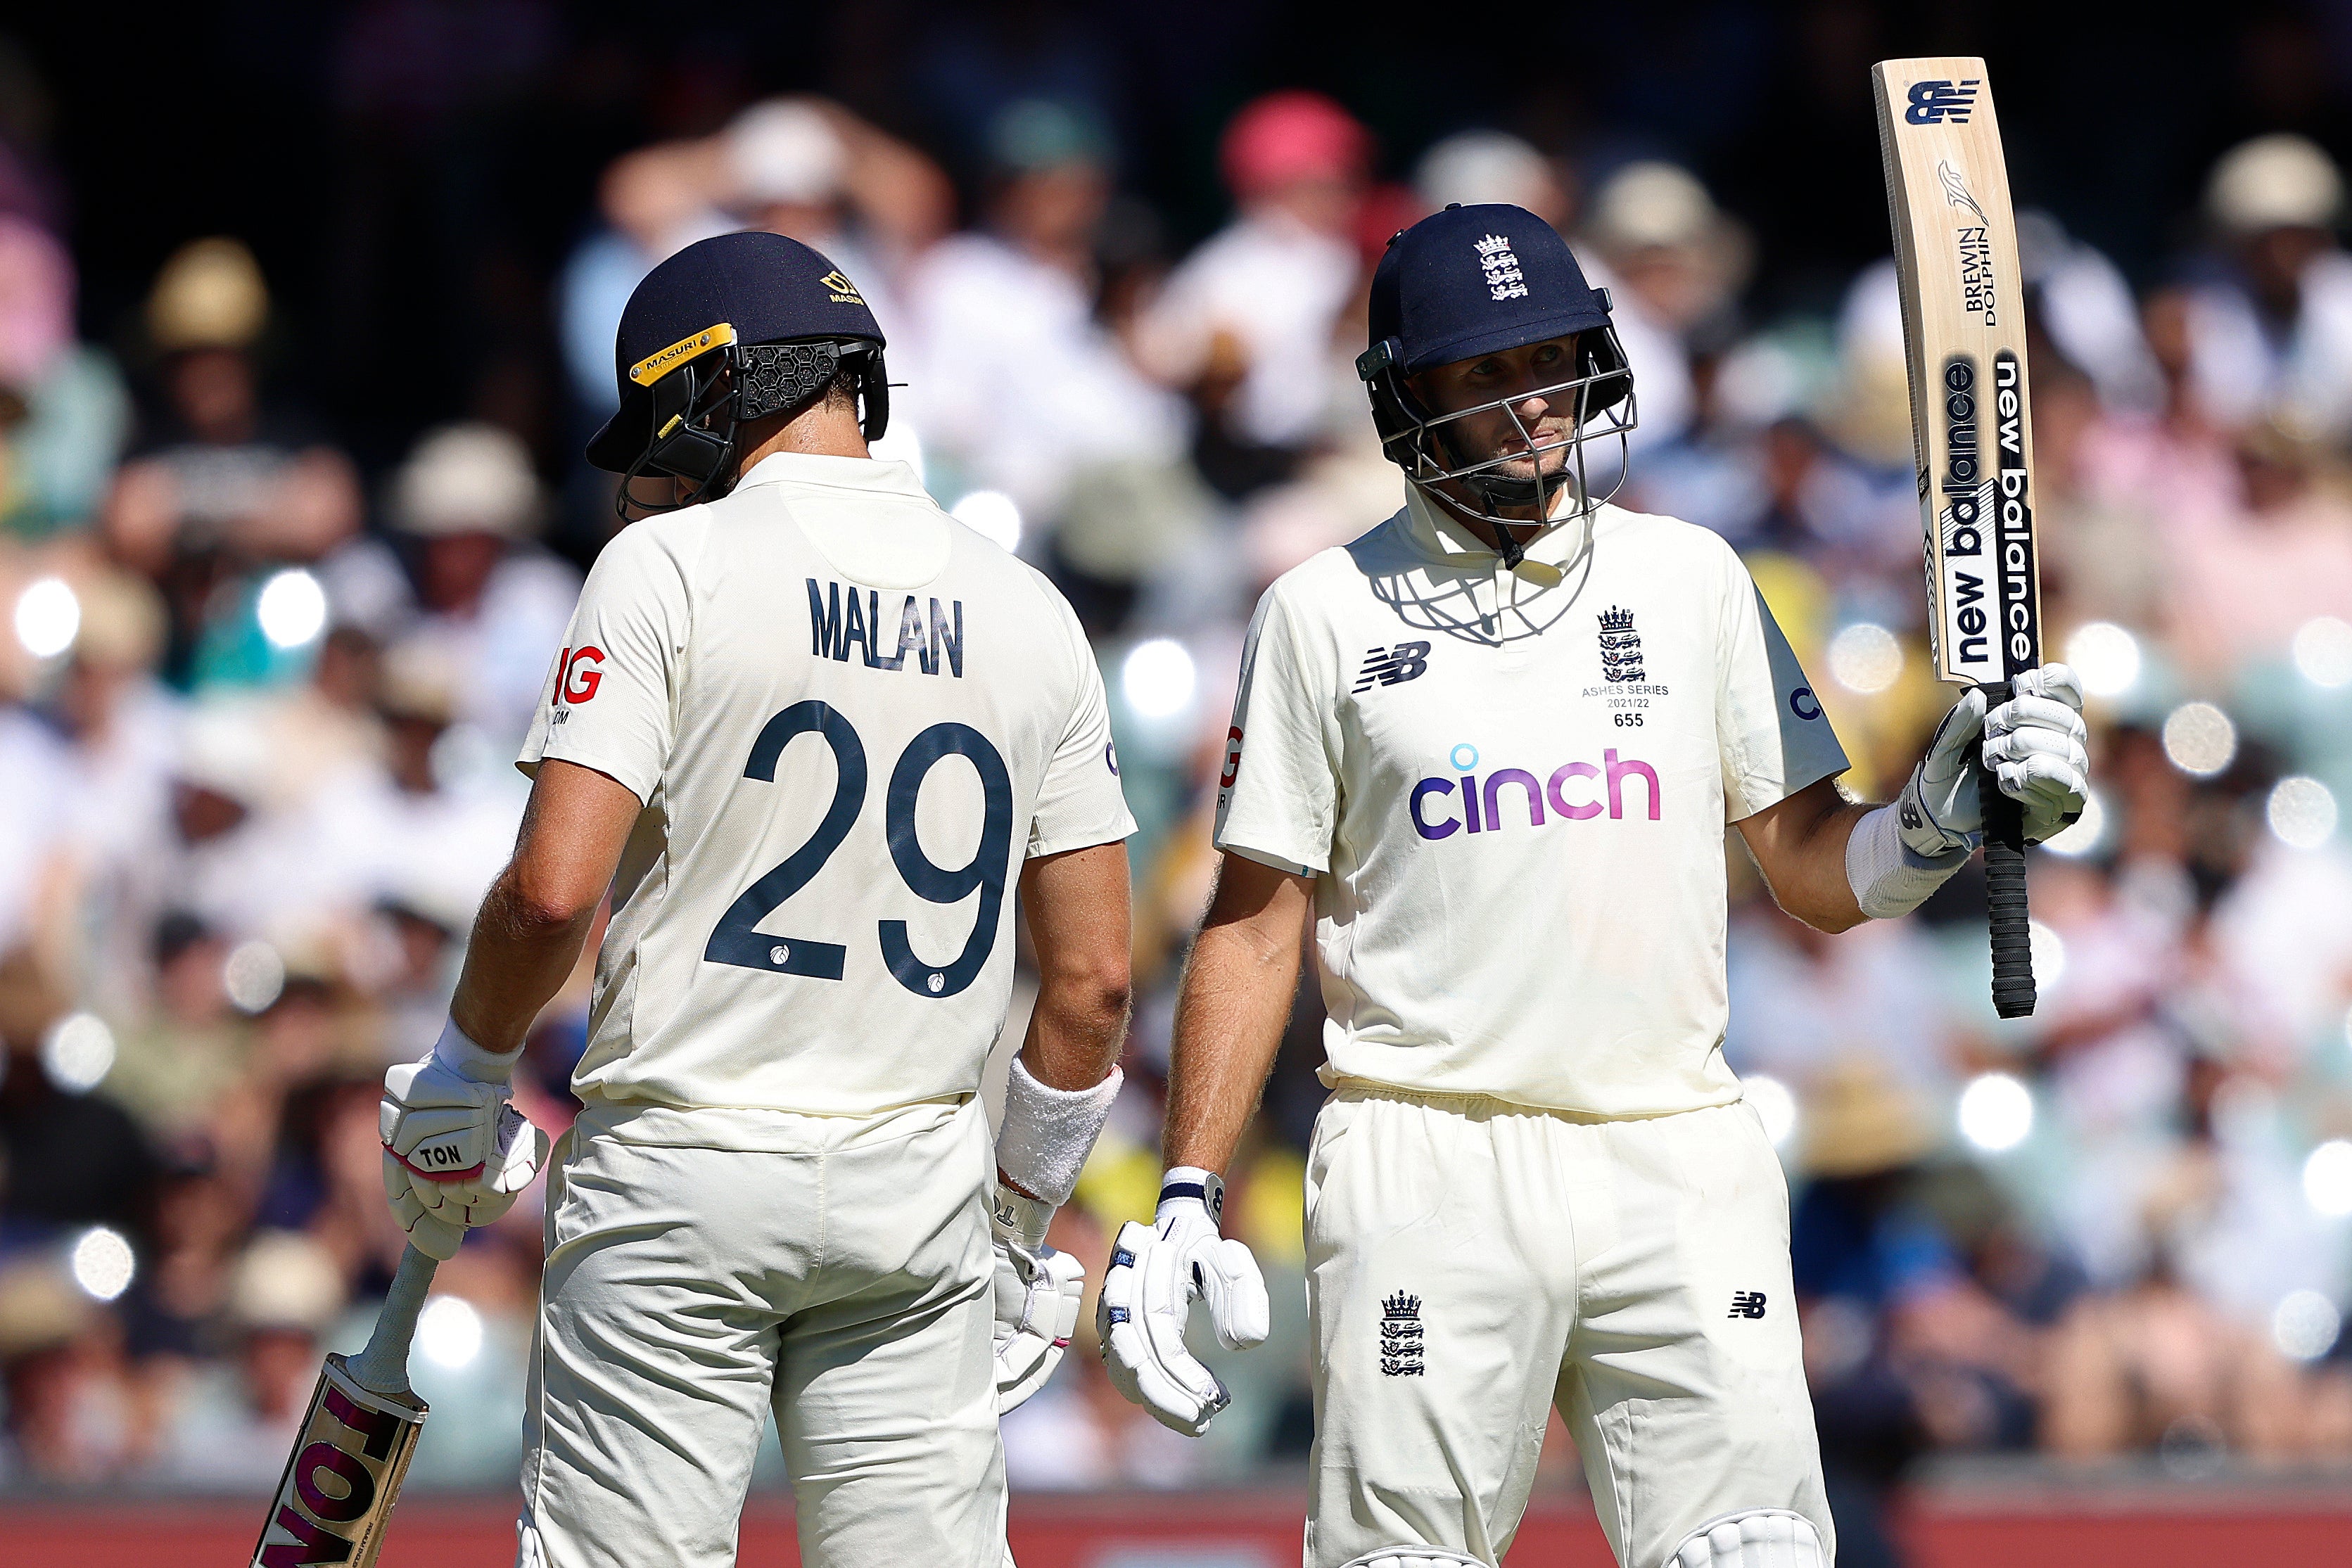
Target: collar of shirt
{"points": [[1441, 533], [892, 546], [876, 475]]}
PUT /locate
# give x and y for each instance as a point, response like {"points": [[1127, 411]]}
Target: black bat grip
{"points": [[2005, 902]]}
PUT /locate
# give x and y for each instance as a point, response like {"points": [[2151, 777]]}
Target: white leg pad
{"points": [[1413, 1557], [1759, 1538]]}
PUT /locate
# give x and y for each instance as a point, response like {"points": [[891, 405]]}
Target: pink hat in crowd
{"points": [[36, 301], [1292, 136]]}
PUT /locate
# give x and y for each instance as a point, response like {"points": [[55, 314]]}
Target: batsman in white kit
{"points": [[1491, 748], [810, 733]]}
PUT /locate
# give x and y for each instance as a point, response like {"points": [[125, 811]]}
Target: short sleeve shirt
{"points": [[1513, 798], [841, 777]]}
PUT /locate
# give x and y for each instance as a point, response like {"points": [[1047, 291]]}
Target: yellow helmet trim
{"points": [[653, 367]]}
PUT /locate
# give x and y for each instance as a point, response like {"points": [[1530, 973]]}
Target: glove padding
{"points": [[1157, 1273], [2035, 744], [457, 1153], [1038, 1291]]}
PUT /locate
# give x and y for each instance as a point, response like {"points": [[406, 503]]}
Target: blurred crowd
{"points": [[261, 703]]}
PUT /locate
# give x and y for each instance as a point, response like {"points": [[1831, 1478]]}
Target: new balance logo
{"points": [[1400, 1336], [1938, 102], [1746, 1304], [1389, 666]]}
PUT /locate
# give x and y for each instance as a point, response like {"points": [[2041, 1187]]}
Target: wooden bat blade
{"points": [[1971, 427], [343, 1476], [1964, 341], [353, 1451]]}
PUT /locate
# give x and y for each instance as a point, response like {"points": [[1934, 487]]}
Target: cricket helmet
{"points": [[1476, 280], [731, 330]]}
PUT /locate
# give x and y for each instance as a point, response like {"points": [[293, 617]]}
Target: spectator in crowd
{"points": [[494, 604], [1021, 385], [1257, 304], [2271, 336], [63, 410]]}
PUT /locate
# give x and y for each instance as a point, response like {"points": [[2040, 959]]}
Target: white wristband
{"points": [[1888, 877], [1048, 1133], [461, 1056]]}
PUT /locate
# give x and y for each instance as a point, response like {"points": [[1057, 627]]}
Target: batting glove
{"points": [[1157, 1273], [1038, 1292], [457, 1153], [2037, 746]]}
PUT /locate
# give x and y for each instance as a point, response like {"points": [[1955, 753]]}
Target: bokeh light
{"points": [[449, 1333], [2085, 837], [2301, 812], [1158, 678], [2104, 657], [102, 1263], [292, 608], [1996, 1112], [1866, 657], [2304, 1324], [48, 617], [2327, 1177], [2198, 738], [253, 976], [2323, 651], [77, 1052], [1775, 1106], [993, 515], [2049, 955]]}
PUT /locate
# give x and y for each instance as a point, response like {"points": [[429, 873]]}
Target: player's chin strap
{"points": [[1413, 1557], [1758, 1538]]}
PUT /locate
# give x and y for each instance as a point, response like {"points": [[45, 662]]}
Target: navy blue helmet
{"points": [[1477, 280], [731, 330]]}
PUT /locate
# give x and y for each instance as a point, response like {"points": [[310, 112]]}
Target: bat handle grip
{"points": [[2005, 900], [384, 1364]]}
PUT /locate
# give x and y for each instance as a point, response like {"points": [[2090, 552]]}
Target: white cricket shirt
{"points": [[850, 719], [1513, 799]]}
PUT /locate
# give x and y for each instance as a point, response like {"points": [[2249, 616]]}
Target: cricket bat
{"points": [[355, 1443], [1972, 434]]}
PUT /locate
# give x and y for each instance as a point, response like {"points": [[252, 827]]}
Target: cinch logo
{"points": [[1481, 800], [1936, 102]]}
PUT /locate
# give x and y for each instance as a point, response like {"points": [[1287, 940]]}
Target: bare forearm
{"points": [[1074, 1034], [1229, 1022], [519, 958], [1800, 845]]}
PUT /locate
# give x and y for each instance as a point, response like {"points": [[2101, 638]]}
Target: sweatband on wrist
{"points": [[1048, 1133], [460, 1055], [1888, 877], [1191, 1184]]}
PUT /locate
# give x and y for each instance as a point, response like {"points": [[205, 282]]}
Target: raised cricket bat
{"points": [[1972, 435], [353, 1453]]}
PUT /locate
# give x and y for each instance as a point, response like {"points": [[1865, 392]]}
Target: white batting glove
{"points": [[1157, 1273], [2037, 746], [1038, 1292], [1938, 813], [457, 1153]]}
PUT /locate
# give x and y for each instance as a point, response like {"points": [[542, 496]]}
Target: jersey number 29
{"points": [[735, 939]]}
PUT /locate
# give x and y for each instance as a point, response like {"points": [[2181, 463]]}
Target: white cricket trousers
{"points": [[841, 1279], [1473, 1264]]}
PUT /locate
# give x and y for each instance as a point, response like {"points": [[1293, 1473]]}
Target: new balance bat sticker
{"points": [[354, 1445], [1964, 342]]}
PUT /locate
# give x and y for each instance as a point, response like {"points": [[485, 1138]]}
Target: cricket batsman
{"points": [[810, 733], [1492, 745]]}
